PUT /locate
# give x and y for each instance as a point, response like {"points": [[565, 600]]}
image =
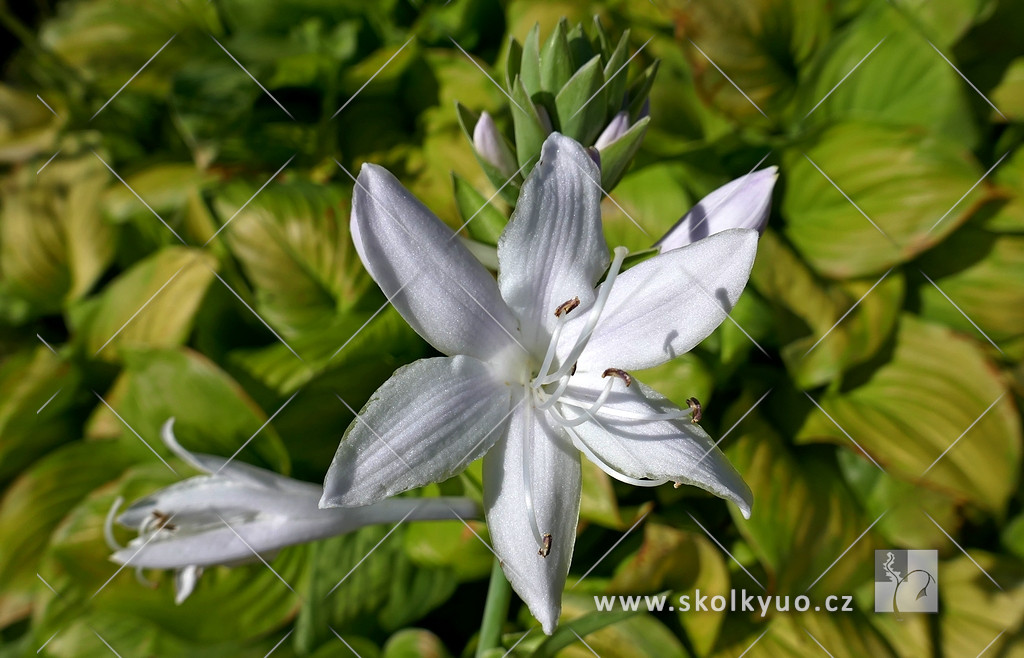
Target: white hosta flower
{"points": [[741, 203], [237, 511], [492, 147], [537, 363]]}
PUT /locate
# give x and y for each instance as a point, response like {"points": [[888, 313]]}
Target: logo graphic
{"points": [[906, 581]]}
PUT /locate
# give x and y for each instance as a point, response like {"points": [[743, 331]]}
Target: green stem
{"points": [[499, 594]]}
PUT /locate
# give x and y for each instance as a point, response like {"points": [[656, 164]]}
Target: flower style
{"points": [[237, 512], [538, 363], [741, 203]]}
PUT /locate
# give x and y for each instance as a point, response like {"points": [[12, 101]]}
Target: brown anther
{"points": [[694, 405], [621, 374], [565, 307], [545, 547], [163, 521], [573, 371]]}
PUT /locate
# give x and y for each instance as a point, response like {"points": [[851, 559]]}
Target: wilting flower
{"points": [[238, 511], [741, 203], [538, 363]]}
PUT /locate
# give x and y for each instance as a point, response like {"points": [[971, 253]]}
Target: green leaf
{"points": [[40, 397], [510, 191], [598, 502], [1009, 95], [581, 113], [292, 242], [483, 221], [556, 65], [931, 392], [921, 91], [909, 185], [212, 413], [983, 274], [33, 506], [54, 240], [530, 130], [759, 44], [152, 304], [414, 643], [976, 613], [27, 128], [944, 25], [648, 201], [529, 69], [449, 545], [616, 74], [796, 531], [617, 156]]}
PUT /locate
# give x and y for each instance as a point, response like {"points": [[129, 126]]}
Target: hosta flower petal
{"points": [[425, 424], [741, 203], [616, 128], [444, 293], [553, 248], [668, 304], [627, 437], [555, 495]]}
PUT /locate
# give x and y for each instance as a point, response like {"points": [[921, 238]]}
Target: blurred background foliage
{"points": [[883, 327]]}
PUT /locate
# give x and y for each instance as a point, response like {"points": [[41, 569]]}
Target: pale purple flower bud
{"points": [[615, 129], [491, 146]]}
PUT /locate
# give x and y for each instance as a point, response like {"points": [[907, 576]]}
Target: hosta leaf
{"points": [[27, 128], [293, 244], [1009, 95], [483, 221], [36, 502], [944, 25], [930, 393], [40, 397], [213, 414], [903, 181], [580, 112], [758, 45], [449, 545], [54, 241], [903, 82], [975, 611], [152, 304], [797, 531], [983, 274]]}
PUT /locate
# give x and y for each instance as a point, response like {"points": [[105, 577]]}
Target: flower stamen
{"points": [[566, 307], [545, 546], [621, 374], [694, 405], [527, 460]]}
